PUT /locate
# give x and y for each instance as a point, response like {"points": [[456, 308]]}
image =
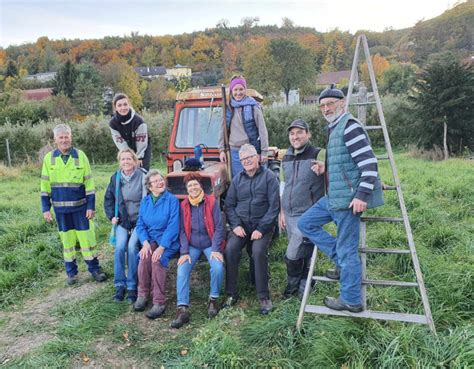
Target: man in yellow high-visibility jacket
{"points": [[67, 184]]}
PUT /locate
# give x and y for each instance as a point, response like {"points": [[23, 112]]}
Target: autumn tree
{"points": [[380, 65], [295, 64], [261, 71], [443, 107], [158, 95]]}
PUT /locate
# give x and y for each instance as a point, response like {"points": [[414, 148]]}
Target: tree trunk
{"points": [[445, 140], [287, 95]]}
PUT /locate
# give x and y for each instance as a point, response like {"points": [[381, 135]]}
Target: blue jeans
{"points": [[184, 274], [342, 250], [126, 244], [235, 162]]}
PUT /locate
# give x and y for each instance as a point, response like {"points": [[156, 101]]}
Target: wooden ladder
{"points": [[426, 318]]}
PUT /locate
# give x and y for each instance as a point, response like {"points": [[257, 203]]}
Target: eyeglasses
{"points": [[247, 158], [159, 180], [329, 105]]}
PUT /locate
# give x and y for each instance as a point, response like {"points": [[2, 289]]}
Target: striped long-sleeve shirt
{"points": [[359, 147]]}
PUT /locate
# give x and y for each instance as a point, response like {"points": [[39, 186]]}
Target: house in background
{"points": [[41, 77], [37, 94], [293, 99], [178, 71], [150, 72], [340, 78]]}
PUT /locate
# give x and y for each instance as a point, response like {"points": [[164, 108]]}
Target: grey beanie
{"points": [[331, 91]]}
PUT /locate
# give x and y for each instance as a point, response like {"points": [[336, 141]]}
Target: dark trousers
{"points": [[152, 278], [233, 253]]}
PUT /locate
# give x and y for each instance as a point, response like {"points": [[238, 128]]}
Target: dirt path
{"points": [[33, 325]]}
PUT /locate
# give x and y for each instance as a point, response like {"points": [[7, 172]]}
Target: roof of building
{"points": [[37, 93], [333, 77], [151, 71]]}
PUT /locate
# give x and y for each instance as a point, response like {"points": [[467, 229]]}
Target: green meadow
{"points": [[45, 324]]}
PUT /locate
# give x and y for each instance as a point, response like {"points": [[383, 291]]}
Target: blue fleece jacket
{"points": [[159, 223]]}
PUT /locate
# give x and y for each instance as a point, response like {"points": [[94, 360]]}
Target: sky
{"points": [[23, 21]]}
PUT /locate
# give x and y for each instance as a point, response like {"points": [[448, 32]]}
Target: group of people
{"points": [[152, 226]]}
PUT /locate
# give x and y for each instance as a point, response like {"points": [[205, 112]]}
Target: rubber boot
{"points": [[307, 248], [293, 271]]}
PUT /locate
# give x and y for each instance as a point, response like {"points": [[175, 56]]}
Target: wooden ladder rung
{"points": [[412, 318], [388, 187], [381, 219], [363, 103], [382, 157], [370, 128], [371, 250], [373, 282]]}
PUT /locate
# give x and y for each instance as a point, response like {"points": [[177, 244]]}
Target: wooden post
{"points": [[8, 153], [362, 100], [226, 134]]}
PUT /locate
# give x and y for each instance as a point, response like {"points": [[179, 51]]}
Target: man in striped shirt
{"points": [[352, 186]]}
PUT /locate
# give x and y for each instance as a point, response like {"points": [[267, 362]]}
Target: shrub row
{"points": [[93, 136]]}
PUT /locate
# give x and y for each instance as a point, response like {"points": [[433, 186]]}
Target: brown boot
{"points": [[182, 317], [212, 308]]}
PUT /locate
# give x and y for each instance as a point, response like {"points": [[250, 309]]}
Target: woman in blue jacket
{"points": [[131, 189], [158, 231]]}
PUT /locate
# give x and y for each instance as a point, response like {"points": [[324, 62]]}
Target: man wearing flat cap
{"points": [[353, 185], [304, 185]]}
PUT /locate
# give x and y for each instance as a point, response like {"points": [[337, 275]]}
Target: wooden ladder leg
{"points": [[307, 288], [363, 259]]}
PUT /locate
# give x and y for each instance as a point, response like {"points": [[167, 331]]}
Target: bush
{"points": [[31, 112], [91, 135]]}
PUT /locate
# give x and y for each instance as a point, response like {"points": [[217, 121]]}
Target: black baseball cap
{"points": [[299, 123]]}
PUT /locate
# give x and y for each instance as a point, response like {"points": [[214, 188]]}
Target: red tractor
{"points": [[197, 120]]}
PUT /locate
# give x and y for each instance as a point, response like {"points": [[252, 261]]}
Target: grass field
{"points": [[44, 323]]}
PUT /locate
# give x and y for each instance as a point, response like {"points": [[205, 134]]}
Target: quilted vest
{"points": [[343, 173]]}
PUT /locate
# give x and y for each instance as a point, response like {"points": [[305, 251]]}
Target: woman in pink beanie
{"points": [[245, 124]]}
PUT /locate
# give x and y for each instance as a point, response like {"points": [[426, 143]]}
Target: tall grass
{"points": [[440, 200]]}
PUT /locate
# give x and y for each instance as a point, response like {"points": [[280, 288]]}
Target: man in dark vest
{"points": [[304, 185], [353, 185]]}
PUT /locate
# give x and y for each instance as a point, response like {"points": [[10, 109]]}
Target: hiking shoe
{"points": [[182, 317], [132, 296], [99, 276], [229, 302], [265, 306], [140, 303], [337, 304], [119, 293], [71, 279], [333, 273], [156, 311], [212, 308]]}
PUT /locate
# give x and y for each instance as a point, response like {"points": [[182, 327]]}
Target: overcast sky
{"points": [[25, 20]]}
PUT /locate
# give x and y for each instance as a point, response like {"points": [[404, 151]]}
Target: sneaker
{"points": [[212, 308], [337, 304], [229, 302], [265, 306], [132, 296], [156, 311], [333, 273], [71, 279], [99, 276], [182, 317], [119, 293], [140, 303]]}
